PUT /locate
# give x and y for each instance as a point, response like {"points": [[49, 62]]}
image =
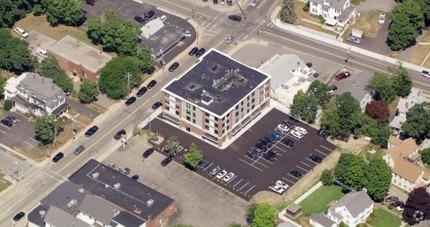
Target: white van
{"points": [[42, 52]]}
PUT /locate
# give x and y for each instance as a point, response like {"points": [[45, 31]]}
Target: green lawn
{"points": [[384, 218], [4, 183], [318, 201]]}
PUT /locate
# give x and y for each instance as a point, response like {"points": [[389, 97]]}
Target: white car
{"points": [[277, 189], [283, 128], [221, 174], [425, 73], [163, 18], [296, 134], [281, 184], [21, 32], [187, 34], [301, 130], [42, 52], [228, 177], [254, 3], [381, 19]]}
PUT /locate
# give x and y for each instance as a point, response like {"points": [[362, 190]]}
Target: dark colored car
{"points": [[6, 122], [323, 133], [235, 18], [91, 131], [288, 142], [193, 51], [79, 149], [11, 119], [166, 161], [204, 164], [270, 155], [148, 152], [156, 105], [342, 75], [316, 158], [151, 84], [135, 177], [91, 2], [253, 153], [120, 134], [215, 2], [174, 66], [141, 91], [139, 19], [229, 2], [130, 101], [296, 173], [58, 157], [18, 216], [149, 14], [261, 145], [200, 52], [391, 199]]}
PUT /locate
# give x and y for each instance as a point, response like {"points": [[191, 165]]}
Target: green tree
{"points": [[145, 58], [2, 84], [304, 107], [406, 21], [327, 177], [379, 133], [425, 7], [425, 156], [381, 138], [193, 156], [264, 216], [418, 200], [377, 110], [114, 81], [382, 88], [13, 10], [349, 112], [88, 91], [350, 170], [50, 68], [172, 146], [67, 12], [417, 124], [7, 105], [330, 120], [287, 13], [250, 211], [95, 30], [320, 91], [14, 54], [47, 127], [377, 178], [402, 81]]}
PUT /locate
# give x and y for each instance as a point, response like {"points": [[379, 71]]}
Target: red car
{"points": [[342, 75]]}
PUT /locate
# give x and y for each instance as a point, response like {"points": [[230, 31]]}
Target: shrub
{"points": [[327, 177], [306, 7], [7, 105]]}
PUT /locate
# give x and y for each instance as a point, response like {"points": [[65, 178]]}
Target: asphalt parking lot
{"points": [[21, 134], [163, 39], [252, 176]]}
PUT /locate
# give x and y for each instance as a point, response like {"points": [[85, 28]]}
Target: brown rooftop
{"points": [[403, 167]]}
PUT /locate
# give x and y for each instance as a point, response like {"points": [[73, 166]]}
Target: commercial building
{"points": [[216, 98], [98, 195]]}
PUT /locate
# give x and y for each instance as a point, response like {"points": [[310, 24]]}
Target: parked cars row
{"points": [[122, 170], [9, 121], [223, 175], [140, 92], [197, 51]]}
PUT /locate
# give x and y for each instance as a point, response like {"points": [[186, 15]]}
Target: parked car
{"points": [[315, 158], [163, 18], [174, 66], [296, 173], [215, 171], [296, 134], [58, 157], [228, 177], [166, 161], [200, 52], [6, 122], [270, 155], [342, 75], [79, 149], [91, 2], [148, 15], [156, 105], [221, 174], [229, 39], [283, 128], [151, 84], [130, 101], [135, 177], [148, 152], [323, 133], [425, 73], [21, 32], [281, 184], [381, 19], [301, 130], [391, 199], [18, 216], [120, 134], [254, 3], [204, 164], [276, 188], [11, 119], [141, 91], [193, 51], [288, 142], [235, 18], [91, 131], [252, 153], [139, 19]]}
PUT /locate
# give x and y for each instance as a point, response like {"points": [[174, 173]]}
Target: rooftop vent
{"points": [[72, 203], [117, 186], [214, 68], [150, 202], [95, 175], [192, 86], [81, 190], [42, 213], [137, 210]]}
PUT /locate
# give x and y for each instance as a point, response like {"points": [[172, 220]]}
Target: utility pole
{"points": [[348, 57], [162, 58], [244, 16], [194, 10]]}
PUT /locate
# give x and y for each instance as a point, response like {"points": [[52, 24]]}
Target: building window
{"points": [[194, 107], [216, 125], [207, 114], [216, 131], [188, 105], [206, 120], [207, 127], [177, 113], [253, 100], [167, 108], [216, 119], [188, 118], [194, 121], [194, 114]]}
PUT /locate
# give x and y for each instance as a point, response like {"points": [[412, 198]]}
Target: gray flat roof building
{"points": [[216, 83]]}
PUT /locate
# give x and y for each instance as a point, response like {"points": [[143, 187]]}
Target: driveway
{"points": [[82, 109], [252, 176], [376, 44]]}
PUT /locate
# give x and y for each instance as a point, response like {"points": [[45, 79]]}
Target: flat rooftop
{"points": [[217, 82], [100, 180]]}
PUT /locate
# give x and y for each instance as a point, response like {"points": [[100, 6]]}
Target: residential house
{"points": [[352, 209], [335, 12], [356, 85], [400, 156], [415, 97], [35, 95], [320, 220]]}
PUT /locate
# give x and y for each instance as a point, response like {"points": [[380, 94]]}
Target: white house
{"points": [[36, 95], [334, 12], [352, 209]]}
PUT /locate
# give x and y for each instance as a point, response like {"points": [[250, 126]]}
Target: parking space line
{"points": [[32, 139], [326, 148], [231, 179], [265, 161], [250, 189], [244, 186], [288, 180], [306, 164], [208, 167], [303, 168], [312, 163], [320, 152], [238, 182], [251, 165], [2, 131], [293, 137], [5, 127], [28, 143]]}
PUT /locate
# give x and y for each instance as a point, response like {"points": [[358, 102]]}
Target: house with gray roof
{"points": [[320, 220], [58, 217], [335, 12], [35, 95], [352, 209]]}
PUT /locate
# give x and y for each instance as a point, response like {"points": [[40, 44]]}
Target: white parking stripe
{"points": [[288, 180], [2, 131], [326, 148], [251, 165], [231, 179], [302, 168], [306, 164], [238, 182], [257, 161], [32, 139], [320, 152], [249, 189], [28, 143], [244, 186]]}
